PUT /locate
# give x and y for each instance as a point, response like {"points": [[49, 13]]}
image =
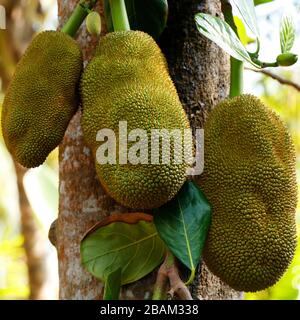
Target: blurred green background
{"points": [[29, 198]]}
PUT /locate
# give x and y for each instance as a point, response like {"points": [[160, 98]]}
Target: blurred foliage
{"points": [[41, 186], [13, 268], [24, 19], [13, 283]]}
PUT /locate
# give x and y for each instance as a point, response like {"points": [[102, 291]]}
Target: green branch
{"points": [[236, 66], [79, 14], [236, 77], [265, 64], [119, 15]]}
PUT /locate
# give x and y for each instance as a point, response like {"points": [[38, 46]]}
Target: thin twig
{"points": [[169, 271], [277, 78], [177, 285], [160, 287]]}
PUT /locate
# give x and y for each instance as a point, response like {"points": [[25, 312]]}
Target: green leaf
{"points": [[149, 16], [126, 241], [287, 34], [183, 224], [247, 12], [258, 2], [221, 33], [242, 33], [113, 285]]}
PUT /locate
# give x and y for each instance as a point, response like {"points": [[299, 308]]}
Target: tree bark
{"points": [[200, 71]]}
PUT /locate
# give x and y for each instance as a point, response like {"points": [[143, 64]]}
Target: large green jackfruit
{"points": [[42, 97], [249, 178], [128, 80]]}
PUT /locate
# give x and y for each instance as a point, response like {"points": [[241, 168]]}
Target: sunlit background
{"points": [[28, 263]]}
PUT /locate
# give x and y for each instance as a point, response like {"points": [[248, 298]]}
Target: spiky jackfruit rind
{"points": [[42, 97], [250, 179], [128, 80]]}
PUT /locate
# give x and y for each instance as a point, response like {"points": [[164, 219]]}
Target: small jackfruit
{"points": [[128, 80], [250, 179], [93, 23], [286, 59], [42, 97]]}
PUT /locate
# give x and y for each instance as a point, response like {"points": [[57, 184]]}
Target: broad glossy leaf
{"points": [[113, 285], [258, 2], [183, 224], [148, 15], [127, 241], [247, 12], [287, 34], [222, 34]]}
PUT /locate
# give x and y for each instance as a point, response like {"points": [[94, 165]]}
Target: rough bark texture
{"points": [[200, 71]]}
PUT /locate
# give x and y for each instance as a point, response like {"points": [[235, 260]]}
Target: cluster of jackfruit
{"points": [[249, 174], [128, 80], [42, 97], [250, 180]]}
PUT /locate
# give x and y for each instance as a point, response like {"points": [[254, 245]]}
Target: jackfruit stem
{"points": [[169, 271], [236, 66], [76, 19], [265, 64], [236, 77], [119, 15]]}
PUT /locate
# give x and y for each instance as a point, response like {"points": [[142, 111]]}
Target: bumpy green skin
{"points": [[128, 80], [250, 180], [42, 97]]}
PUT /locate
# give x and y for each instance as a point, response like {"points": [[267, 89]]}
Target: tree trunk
{"points": [[200, 71]]}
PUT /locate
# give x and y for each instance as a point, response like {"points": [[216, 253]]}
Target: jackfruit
{"points": [[42, 97], [128, 80], [93, 23], [286, 59], [249, 178]]}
